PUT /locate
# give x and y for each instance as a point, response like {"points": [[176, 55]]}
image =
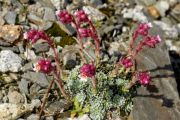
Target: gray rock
{"points": [[93, 13], [9, 61], [58, 106], [33, 117], [175, 13], [36, 77], [49, 118], [57, 4], [108, 29], [34, 91], [15, 97], [41, 47], [160, 100], [2, 21], [36, 103], [35, 19], [4, 43], [145, 2], [47, 25], [10, 17], [15, 49], [23, 86], [117, 48], [49, 14], [135, 14], [24, 1], [84, 117], [170, 31], [162, 7]]}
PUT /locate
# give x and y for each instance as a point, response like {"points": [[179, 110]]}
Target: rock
{"points": [[135, 14], [10, 111], [10, 33], [15, 49], [2, 22], [93, 13], [15, 97], [24, 1], [97, 2], [57, 4], [9, 64], [36, 77], [33, 117], [36, 103], [28, 66], [29, 54], [4, 43], [116, 48], [108, 29], [84, 117], [153, 12], [159, 100], [49, 118], [49, 14], [23, 86], [176, 12], [58, 106], [35, 19], [34, 91], [41, 47], [10, 17], [145, 2], [9, 78], [170, 31], [162, 7]]}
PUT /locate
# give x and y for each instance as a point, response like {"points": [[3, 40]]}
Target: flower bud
{"points": [[64, 16], [44, 66], [87, 70], [81, 16], [84, 32], [143, 29], [152, 41], [127, 62], [143, 78]]}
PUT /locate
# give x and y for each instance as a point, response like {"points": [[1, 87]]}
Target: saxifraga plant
{"points": [[95, 87]]}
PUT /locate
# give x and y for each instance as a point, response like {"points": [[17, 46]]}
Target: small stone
{"points": [[10, 33], [36, 77], [10, 17], [9, 111], [58, 106], [49, 14], [15, 97], [41, 47], [135, 14], [4, 43], [23, 86], [109, 29], [9, 64], [57, 4], [34, 91], [29, 54], [2, 22], [35, 19], [49, 118], [176, 12], [116, 48], [15, 49], [93, 13], [36, 103], [33, 117], [145, 2], [84, 117], [24, 1], [153, 12], [162, 7]]}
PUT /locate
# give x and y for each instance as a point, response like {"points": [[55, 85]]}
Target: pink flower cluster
{"points": [[34, 35], [88, 70], [143, 78], [64, 16], [44, 66], [81, 16], [149, 41]]}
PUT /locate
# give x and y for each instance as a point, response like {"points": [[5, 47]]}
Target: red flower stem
{"points": [[45, 98], [138, 49], [135, 35], [79, 40]]}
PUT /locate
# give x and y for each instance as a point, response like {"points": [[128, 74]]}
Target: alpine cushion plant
{"points": [[96, 86]]}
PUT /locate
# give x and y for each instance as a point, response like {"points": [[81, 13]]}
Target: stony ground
{"points": [[22, 89]]}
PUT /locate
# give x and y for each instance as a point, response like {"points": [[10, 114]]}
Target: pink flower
{"points": [[152, 41], [143, 78], [81, 16], [84, 32], [64, 16], [126, 62], [87, 70], [44, 66], [143, 29]]}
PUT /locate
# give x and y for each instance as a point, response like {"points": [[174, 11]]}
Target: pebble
{"points": [[24, 1], [41, 47], [176, 12], [153, 12], [15, 97], [10, 17], [33, 117], [2, 21], [162, 7], [135, 14], [36, 77], [35, 19], [49, 14], [23, 86], [9, 64], [145, 2]]}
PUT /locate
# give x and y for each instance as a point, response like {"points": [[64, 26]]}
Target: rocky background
{"points": [[22, 89]]}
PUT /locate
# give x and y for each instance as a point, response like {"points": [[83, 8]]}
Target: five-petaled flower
{"points": [[44, 66], [144, 78]]}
